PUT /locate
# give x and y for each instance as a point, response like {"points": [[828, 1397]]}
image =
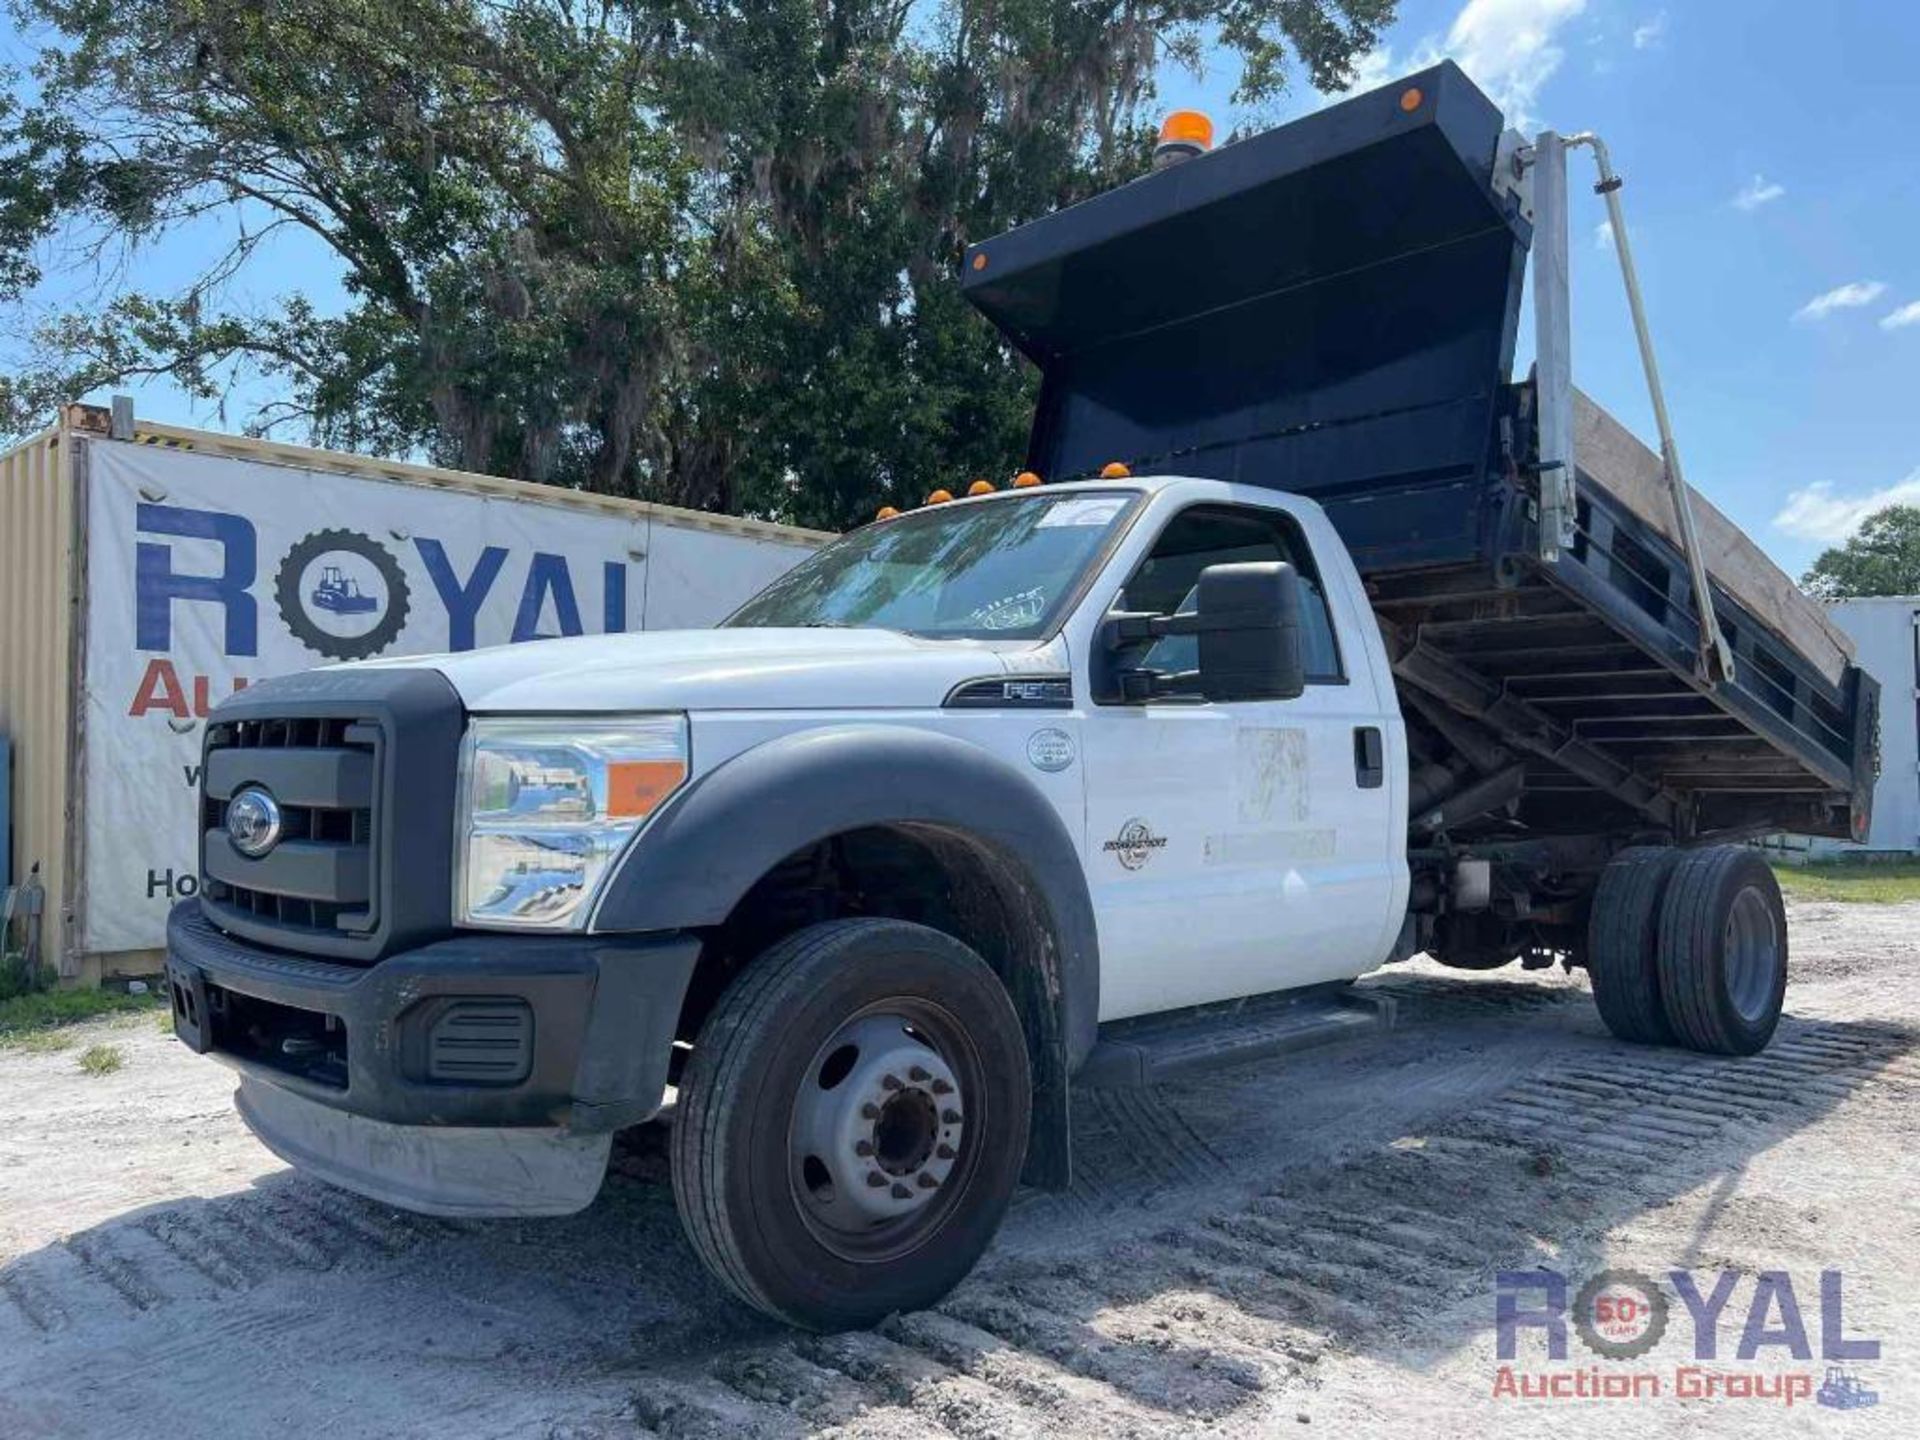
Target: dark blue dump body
{"points": [[1329, 309]]}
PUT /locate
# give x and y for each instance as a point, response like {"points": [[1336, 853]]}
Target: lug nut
{"points": [[900, 1192], [927, 1182], [942, 1087], [943, 1151], [919, 1074], [870, 1111], [876, 1179], [891, 1082], [950, 1117], [863, 1147]]}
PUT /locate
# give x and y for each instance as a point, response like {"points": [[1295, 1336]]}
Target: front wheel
{"points": [[852, 1123]]}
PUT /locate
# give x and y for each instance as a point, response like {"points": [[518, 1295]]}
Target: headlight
{"points": [[548, 805]]}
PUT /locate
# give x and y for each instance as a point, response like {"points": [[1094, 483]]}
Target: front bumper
{"points": [[387, 1078]]}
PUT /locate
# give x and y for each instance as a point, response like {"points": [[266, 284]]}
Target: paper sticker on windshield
{"points": [[1084, 510], [1011, 612]]}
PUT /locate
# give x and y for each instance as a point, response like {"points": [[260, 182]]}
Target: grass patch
{"points": [[1886, 884], [102, 1059], [25, 1016], [44, 1042]]}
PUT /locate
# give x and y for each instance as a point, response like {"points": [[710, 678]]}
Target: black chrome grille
{"points": [[362, 764], [322, 770]]}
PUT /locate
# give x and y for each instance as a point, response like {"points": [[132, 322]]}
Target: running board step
{"points": [[1146, 1051]]}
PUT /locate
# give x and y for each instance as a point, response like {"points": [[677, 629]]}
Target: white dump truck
{"points": [[1323, 644]]}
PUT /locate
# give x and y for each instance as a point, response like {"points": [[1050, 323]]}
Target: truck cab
{"points": [[1085, 782]]}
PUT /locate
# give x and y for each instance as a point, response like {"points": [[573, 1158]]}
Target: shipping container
{"points": [[148, 570]]}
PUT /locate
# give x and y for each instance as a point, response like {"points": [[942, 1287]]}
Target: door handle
{"points": [[1369, 757]]}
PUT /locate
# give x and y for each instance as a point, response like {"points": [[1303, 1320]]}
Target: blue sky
{"points": [[1773, 189]]}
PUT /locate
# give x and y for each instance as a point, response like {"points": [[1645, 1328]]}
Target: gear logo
{"points": [[342, 595], [1620, 1314]]}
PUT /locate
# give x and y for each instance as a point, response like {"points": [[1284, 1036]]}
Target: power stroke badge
{"points": [[1135, 844]]}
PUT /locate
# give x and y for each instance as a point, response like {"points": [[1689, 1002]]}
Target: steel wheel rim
{"points": [[1753, 955], [907, 1106]]}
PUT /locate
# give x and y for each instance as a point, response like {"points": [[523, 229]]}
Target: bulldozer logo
{"points": [[342, 595]]}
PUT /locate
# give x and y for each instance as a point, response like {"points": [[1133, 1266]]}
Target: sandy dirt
{"points": [[1309, 1242]]}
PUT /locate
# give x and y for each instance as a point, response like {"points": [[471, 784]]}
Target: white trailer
{"points": [[147, 571], [1885, 630]]}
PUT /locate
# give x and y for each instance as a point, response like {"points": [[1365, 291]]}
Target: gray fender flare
{"points": [[714, 840]]}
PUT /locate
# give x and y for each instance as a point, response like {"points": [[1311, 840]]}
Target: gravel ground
{"points": [[1306, 1242]]}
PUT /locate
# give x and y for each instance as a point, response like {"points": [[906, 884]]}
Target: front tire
{"points": [[1723, 951], [852, 1123]]}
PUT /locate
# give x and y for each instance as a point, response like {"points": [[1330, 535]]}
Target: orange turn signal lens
{"points": [[980, 487], [1025, 480], [939, 497], [1114, 470], [979, 260], [1187, 127], [634, 787], [1410, 99], [885, 512]]}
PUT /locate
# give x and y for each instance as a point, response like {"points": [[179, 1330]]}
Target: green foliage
{"points": [[26, 1015], [1880, 883], [100, 1060], [15, 978], [696, 252], [1881, 558]]}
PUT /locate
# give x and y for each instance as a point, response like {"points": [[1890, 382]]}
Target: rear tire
{"points": [[1723, 951], [852, 1123], [1623, 944]]}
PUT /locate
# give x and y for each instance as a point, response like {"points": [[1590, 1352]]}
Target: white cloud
{"points": [[1816, 513], [1760, 191], [1650, 33], [1373, 69], [1850, 296], [1510, 49], [1899, 320], [1603, 235]]}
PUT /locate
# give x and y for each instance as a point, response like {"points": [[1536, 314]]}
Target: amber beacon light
{"points": [[1183, 135]]}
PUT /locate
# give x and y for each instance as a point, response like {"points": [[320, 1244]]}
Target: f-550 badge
{"points": [[1135, 844]]}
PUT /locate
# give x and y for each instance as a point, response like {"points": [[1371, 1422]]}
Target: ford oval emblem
{"points": [[253, 822]]}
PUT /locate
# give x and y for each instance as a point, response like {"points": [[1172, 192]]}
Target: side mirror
{"points": [[1248, 622]]}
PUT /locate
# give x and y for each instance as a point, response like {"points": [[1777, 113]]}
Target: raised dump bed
{"points": [[1330, 308]]}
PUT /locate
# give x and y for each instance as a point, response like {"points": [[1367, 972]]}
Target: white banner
{"points": [[205, 574]]}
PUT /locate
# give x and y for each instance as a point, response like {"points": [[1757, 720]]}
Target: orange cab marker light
{"points": [[980, 487], [1114, 470], [634, 787], [886, 512], [939, 497], [1410, 99], [1025, 480], [979, 259]]}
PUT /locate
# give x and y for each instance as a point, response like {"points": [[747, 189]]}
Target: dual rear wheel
{"points": [[1689, 947]]}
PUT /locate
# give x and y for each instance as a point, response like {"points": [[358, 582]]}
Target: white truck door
{"points": [[1238, 848]]}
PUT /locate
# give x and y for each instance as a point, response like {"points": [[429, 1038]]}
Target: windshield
{"points": [[998, 570]]}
